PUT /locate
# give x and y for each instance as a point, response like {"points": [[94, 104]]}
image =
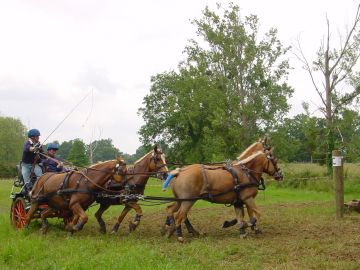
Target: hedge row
{"points": [[7, 170]]}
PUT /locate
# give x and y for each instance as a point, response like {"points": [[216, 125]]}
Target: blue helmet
{"points": [[53, 146], [33, 133]]}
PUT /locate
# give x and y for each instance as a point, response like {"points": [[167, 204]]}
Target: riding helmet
{"points": [[53, 146], [33, 133]]}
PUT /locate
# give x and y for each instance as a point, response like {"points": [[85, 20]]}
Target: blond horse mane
{"points": [[100, 163], [247, 150], [144, 156], [250, 158]]}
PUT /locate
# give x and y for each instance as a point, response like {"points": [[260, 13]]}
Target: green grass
{"points": [[299, 232]]}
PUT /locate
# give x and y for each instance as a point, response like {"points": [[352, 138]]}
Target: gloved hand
{"points": [[60, 165], [37, 144]]}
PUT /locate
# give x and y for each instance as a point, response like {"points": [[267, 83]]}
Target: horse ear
{"points": [[119, 158], [155, 148]]}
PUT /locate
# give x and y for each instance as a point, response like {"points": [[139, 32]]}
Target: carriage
{"points": [[21, 203]]}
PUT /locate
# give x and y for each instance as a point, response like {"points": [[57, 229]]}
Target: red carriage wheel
{"points": [[18, 212]]}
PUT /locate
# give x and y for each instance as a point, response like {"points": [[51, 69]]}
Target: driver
{"points": [[30, 158], [51, 162]]}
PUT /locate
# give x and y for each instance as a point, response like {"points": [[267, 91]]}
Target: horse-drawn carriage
{"points": [[67, 195], [21, 203], [235, 183]]}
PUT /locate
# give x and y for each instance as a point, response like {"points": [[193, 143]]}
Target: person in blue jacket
{"points": [[50, 162], [30, 159]]}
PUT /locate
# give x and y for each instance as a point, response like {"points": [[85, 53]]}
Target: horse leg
{"points": [[169, 227], [30, 213], [123, 214], [98, 215], [240, 217], [180, 216], [254, 214], [190, 228], [78, 210], [44, 223], [229, 223], [133, 224]]}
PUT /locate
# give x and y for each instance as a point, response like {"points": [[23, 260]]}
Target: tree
{"points": [[336, 65], [104, 150], [224, 95], [12, 138], [64, 149], [77, 154]]}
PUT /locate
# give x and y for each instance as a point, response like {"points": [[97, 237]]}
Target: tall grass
{"points": [[314, 177]]}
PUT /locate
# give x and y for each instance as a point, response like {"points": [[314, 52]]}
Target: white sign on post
{"points": [[337, 161]]}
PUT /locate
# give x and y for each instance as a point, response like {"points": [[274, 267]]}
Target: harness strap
{"points": [[207, 186]]}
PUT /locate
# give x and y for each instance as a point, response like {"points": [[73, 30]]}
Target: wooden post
{"points": [[338, 175]]}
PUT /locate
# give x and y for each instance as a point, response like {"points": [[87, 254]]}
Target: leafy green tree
{"points": [[103, 150], [64, 149], [229, 90], [12, 138], [77, 154], [348, 134]]}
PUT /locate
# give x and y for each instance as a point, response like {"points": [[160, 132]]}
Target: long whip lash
{"points": [[62, 121]]}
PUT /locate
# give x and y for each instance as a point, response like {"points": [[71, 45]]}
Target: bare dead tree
{"points": [[335, 65]]}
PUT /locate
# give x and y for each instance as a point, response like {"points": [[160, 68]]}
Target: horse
{"points": [[260, 145], [73, 191], [134, 182], [231, 184]]}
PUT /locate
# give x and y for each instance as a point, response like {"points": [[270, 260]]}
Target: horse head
{"points": [[158, 162], [272, 166], [120, 170], [262, 161]]}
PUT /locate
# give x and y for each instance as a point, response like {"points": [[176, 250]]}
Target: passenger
{"points": [[50, 162], [30, 159]]}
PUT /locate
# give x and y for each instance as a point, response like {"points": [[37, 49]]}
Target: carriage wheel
{"points": [[17, 214]]}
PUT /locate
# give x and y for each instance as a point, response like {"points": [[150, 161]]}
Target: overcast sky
{"points": [[54, 53]]}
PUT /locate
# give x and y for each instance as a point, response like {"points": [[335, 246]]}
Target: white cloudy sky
{"points": [[53, 53]]}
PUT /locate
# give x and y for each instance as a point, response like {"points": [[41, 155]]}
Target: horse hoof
{"points": [[69, 234], [230, 223], [113, 232], [243, 235], [257, 231], [43, 230], [180, 239], [163, 230], [68, 227], [132, 227], [195, 233], [102, 231]]}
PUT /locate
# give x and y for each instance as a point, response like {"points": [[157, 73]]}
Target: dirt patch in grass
{"points": [[296, 235]]}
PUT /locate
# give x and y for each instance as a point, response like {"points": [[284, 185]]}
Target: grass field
{"points": [[299, 232]]}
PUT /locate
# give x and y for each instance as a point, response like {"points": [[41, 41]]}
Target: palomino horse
{"points": [[260, 145], [74, 191], [134, 182], [220, 184]]}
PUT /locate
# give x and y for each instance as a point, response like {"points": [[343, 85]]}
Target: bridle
{"points": [[278, 173], [157, 161]]}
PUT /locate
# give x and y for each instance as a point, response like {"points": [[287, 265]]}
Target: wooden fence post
{"points": [[338, 175]]}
